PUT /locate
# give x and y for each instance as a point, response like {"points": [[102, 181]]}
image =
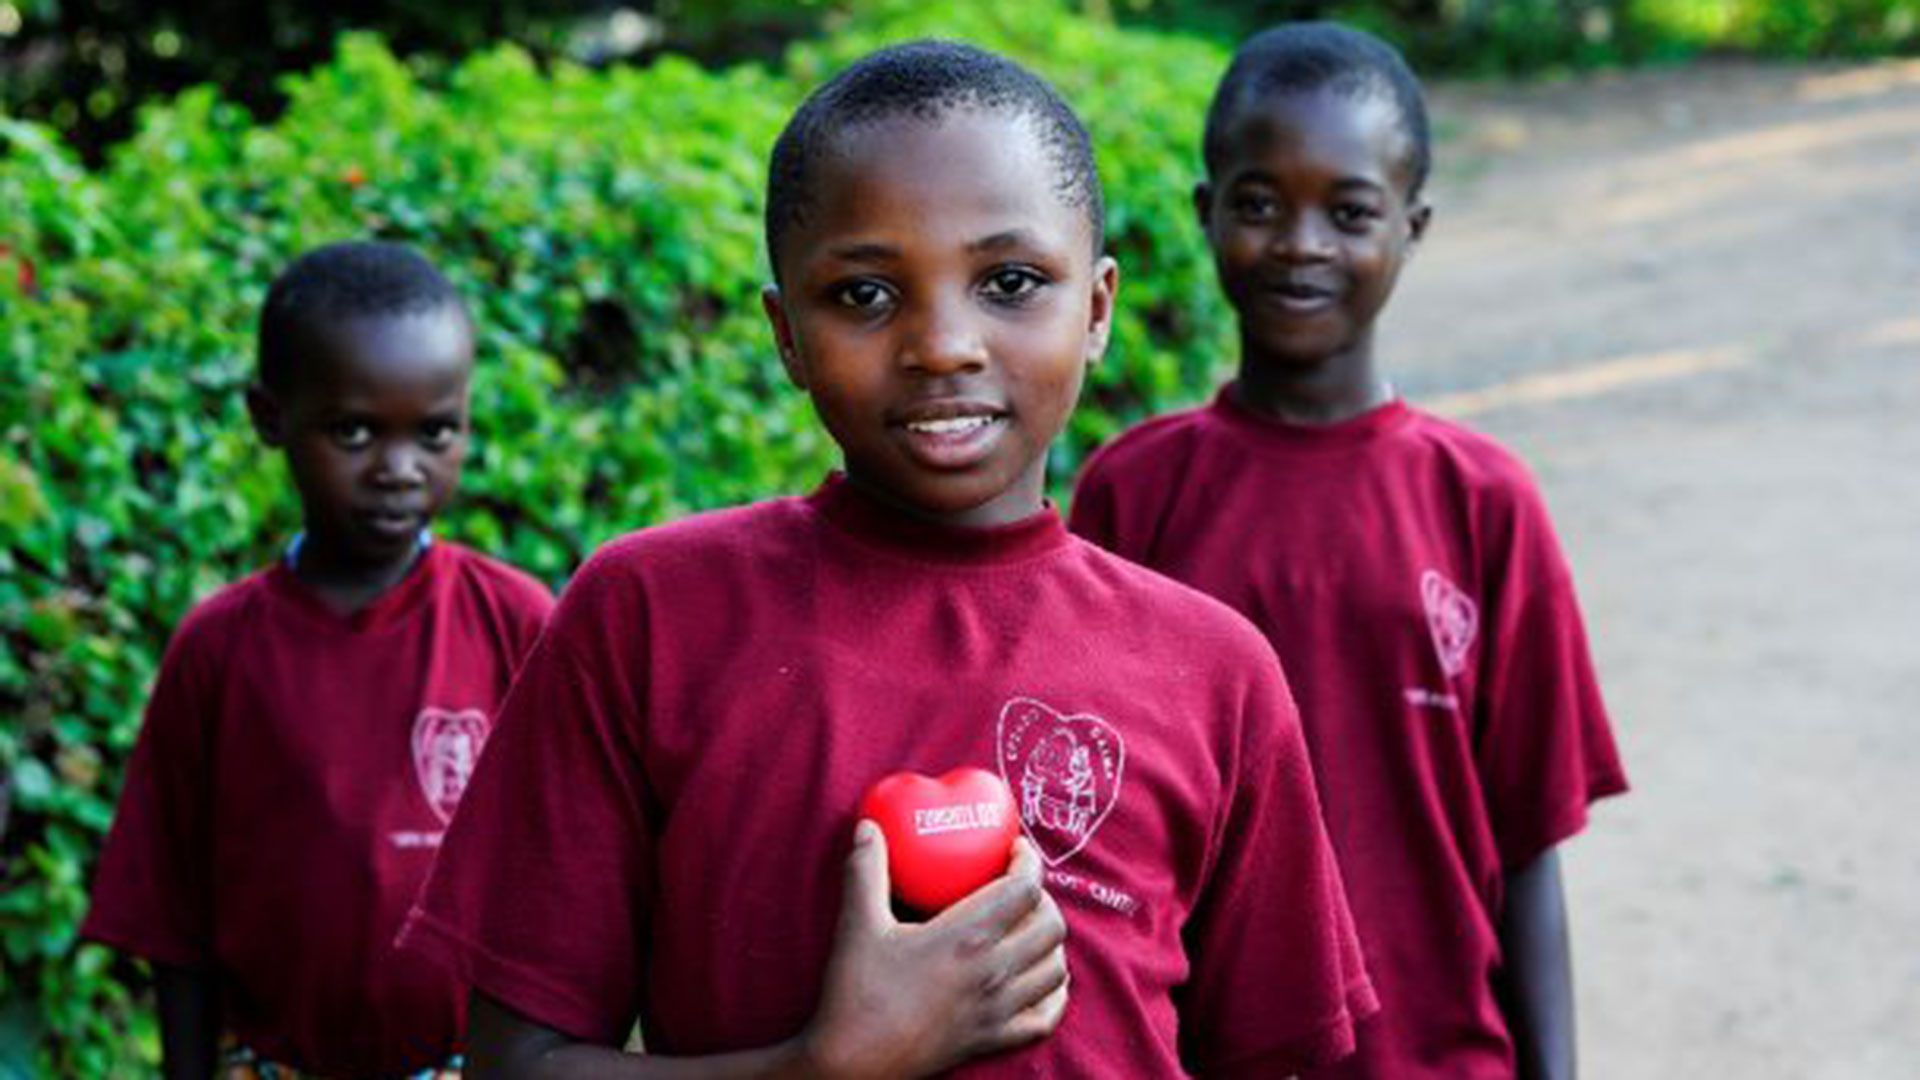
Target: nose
{"points": [[399, 465], [943, 338], [1305, 237]]}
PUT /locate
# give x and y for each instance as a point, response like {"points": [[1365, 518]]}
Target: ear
{"points": [[1106, 285], [1417, 220], [269, 422], [783, 335], [1203, 205]]}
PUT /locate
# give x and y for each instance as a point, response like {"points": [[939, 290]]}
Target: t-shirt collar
{"points": [[868, 520], [405, 597], [1268, 430]]}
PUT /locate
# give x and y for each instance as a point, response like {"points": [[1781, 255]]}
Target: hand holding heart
{"points": [[909, 999]]}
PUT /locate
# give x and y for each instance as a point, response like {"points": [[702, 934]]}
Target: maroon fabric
{"points": [[661, 827], [1405, 570], [290, 784]]}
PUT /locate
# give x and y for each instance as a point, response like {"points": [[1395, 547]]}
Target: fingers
{"points": [[1032, 983], [1025, 861], [863, 901], [1031, 1024], [1041, 933], [986, 914]]}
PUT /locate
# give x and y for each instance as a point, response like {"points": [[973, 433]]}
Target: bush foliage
{"points": [[605, 226]]}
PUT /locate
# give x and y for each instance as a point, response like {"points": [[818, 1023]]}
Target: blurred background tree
{"points": [[85, 67]]}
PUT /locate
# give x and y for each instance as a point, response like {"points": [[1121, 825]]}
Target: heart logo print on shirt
{"points": [[446, 745], [1064, 771], [1452, 618]]}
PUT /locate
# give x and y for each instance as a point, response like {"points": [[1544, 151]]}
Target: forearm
{"points": [[503, 1044], [1539, 970], [189, 1021]]}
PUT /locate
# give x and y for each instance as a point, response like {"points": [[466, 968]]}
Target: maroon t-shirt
{"points": [[1405, 570], [291, 782], [661, 826]]}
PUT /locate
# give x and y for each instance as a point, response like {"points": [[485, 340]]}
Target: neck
{"points": [[1328, 391], [1021, 500], [344, 582]]}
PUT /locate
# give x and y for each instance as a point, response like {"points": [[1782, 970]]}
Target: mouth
{"points": [[950, 435], [393, 523], [1302, 296]]}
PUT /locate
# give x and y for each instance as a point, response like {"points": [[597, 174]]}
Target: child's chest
{"points": [[1374, 583], [356, 743], [759, 755]]}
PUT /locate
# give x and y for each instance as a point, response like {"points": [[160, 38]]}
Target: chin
{"points": [[1299, 352]]}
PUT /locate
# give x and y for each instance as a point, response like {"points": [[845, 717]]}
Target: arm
{"points": [[189, 1021], [986, 975], [1539, 978], [501, 1042]]}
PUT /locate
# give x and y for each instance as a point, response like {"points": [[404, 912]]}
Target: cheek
{"points": [[449, 464], [1380, 266]]}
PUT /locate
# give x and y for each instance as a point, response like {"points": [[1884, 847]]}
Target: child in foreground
{"points": [[314, 724], [661, 829], [1403, 567]]}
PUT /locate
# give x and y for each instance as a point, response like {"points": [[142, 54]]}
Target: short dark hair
{"points": [[1308, 56], [926, 80], [354, 279]]}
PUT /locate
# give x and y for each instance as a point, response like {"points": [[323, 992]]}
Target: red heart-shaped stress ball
{"points": [[945, 837]]}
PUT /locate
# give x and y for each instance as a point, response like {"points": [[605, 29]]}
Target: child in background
{"points": [[1402, 566], [661, 829], [314, 725]]}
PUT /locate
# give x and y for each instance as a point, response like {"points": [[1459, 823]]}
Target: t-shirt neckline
{"points": [[405, 597], [859, 515], [1341, 434]]}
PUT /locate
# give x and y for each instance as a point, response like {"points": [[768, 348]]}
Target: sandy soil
{"points": [[1692, 301]]}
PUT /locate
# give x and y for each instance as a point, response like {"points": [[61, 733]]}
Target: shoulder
{"points": [[513, 587], [694, 543], [1487, 481], [687, 553], [1171, 618], [1151, 444], [1507, 516], [206, 635], [231, 610], [1493, 476]]}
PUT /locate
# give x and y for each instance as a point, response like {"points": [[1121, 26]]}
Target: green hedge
{"points": [[606, 226]]}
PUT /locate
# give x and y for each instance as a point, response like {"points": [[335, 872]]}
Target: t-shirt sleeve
{"points": [[1277, 979], [153, 889], [1545, 747], [540, 894]]}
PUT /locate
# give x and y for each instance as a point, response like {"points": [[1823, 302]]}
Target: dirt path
{"points": [[1692, 301]]}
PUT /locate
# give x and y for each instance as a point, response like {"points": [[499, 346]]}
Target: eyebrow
{"points": [[1260, 176], [1000, 241], [878, 252], [868, 252]]}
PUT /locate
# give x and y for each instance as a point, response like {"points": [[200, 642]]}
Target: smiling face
{"points": [[375, 429], [1310, 218], [941, 302]]}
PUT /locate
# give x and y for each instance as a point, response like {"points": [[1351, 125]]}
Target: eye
{"points": [[439, 434], [351, 434], [1354, 217], [1253, 207], [1013, 284], [863, 295]]}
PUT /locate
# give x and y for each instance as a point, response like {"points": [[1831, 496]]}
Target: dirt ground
{"points": [[1692, 301]]}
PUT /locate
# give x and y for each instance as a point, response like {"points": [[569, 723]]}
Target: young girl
{"points": [[659, 828]]}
